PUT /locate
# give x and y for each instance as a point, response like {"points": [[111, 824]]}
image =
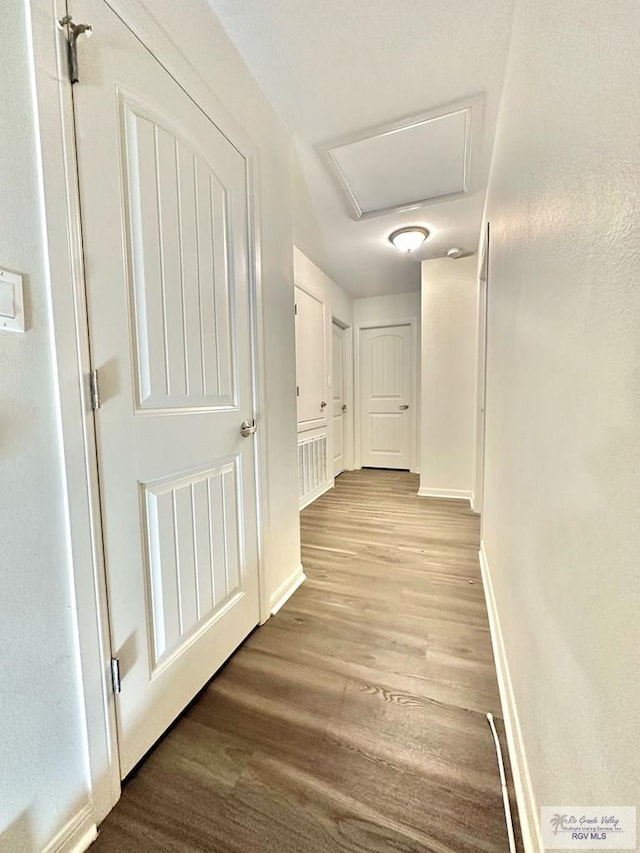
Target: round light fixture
{"points": [[409, 239]]}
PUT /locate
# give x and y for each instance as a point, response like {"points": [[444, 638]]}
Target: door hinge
{"points": [[295, 308], [73, 31], [94, 389], [115, 675], [297, 390]]}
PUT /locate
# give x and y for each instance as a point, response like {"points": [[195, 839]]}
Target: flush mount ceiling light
{"points": [[409, 239]]}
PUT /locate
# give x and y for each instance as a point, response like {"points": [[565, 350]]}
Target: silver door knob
{"points": [[404, 406], [323, 405], [248, 428], [344, 407]]}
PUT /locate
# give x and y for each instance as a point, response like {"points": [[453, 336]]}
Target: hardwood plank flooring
{"points": [[354, 720]]}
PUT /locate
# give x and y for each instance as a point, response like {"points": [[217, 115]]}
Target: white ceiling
{"points": [[342, 68]]}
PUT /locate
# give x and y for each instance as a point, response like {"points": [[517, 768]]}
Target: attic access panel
{"points": [[419, 161]]}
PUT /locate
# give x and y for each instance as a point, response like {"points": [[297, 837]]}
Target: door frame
{"points": [[62, 237], [481, 388], [348, 391], [357, 350]]}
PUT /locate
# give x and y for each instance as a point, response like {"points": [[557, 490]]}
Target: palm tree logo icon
{"points": [[557, 822]]}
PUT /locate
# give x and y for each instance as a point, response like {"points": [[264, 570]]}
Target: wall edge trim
{"points": [[76, 835], [286, 589], [525, 801], [453, 494]]}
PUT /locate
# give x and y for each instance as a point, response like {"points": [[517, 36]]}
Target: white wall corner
{"points": [[76, 835], [527, 810], [286, 589]]}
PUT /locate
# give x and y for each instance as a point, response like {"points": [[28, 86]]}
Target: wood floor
{"points": [[354, 720]]}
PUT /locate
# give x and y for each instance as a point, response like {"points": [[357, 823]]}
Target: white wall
{"points": [[388, 310], [308, 237], [397, 306], [561, 524], [43, 772], [341, 304], [309, 276], [448, 361]]}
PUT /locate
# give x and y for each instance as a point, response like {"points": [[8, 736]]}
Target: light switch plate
{"points": [[11, 302]]}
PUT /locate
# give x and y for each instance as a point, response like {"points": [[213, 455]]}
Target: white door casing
{"points": [[481, 386], [164, 207], [386, 386], [338, 398]]}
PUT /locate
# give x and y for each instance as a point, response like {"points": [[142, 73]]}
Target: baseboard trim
{"points": [[527, 811], [313, 496], [286, 589], [76, 835], [454, 494]]}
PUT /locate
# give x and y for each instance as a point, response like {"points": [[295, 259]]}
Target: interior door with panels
{"points": [[311, 374], [164, 214], [385, 397]]}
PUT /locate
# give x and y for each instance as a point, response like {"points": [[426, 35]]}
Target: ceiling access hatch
{"points": [[421, 160]]}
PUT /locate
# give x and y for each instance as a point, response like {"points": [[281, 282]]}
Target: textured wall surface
{"points": [[448, 365], [314, 279], [42, 767], [561, 522]]}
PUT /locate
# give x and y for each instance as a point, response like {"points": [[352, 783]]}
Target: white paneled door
{"points": [[385, 396], [339, 402], [311, 374], [164, 211]]}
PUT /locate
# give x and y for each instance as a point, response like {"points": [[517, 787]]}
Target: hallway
{"points": [[353, 720]]}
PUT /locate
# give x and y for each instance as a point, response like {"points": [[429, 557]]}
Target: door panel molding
{"points": [[188, 588], [310, 414], [57, 155], [181, 181], [412, 322]]}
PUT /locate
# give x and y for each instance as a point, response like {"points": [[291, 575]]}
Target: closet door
{"points": [[164, 215], [310, 361], [386, 382]]}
